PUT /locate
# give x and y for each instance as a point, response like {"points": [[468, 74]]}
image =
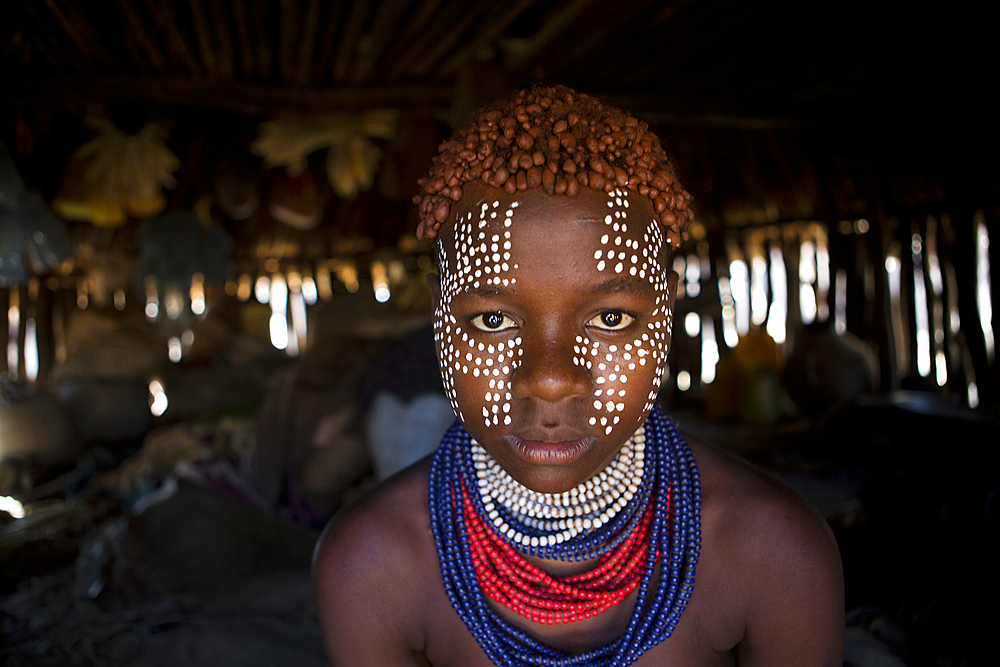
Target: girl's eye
{"points": [[492, 322], [611, 320]]}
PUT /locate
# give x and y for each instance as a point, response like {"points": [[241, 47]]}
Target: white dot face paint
{"points": [[552, 351], [616, 367], [467, 258]]}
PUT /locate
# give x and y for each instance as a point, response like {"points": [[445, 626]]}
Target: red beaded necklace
{"points": [[508, 579]]}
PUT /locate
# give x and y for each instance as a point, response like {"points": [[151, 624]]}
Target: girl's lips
{"points": [[541, 453]]}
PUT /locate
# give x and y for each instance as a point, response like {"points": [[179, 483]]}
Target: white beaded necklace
{"points": [[563, 516]]}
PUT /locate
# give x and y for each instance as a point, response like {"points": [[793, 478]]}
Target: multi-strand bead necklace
{"points": [[640, 514]]}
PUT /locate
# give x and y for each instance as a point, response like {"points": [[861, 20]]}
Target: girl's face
{"points": [[552, 322]]}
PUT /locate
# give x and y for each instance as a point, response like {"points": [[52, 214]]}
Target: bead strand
{"points": [[507, 578], [670, 493], [556, 518]]}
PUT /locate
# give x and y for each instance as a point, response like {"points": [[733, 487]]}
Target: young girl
{"points": [[564, 520]]}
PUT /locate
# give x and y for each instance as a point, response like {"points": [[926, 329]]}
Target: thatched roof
{"points": [[713, 62], [775, 109]]}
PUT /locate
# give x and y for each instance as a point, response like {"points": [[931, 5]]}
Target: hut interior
{"points": [[215, 319]]}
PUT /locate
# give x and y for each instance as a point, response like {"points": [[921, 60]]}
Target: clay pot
{"points": [[36, 428], [107, 410], [827, 370]]}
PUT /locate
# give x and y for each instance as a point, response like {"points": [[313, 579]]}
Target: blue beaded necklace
{"points": [[676, 538]]}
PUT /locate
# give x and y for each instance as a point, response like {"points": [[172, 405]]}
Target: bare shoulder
{"points": [[781, 560], [384, 529], [368, 567], [759, 513]]}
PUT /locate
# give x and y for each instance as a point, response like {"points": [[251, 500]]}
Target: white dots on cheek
{"points": [[610, 382], [500, 362]]}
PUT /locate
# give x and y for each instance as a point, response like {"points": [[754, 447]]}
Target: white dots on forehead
{"points": [[610, 256]]}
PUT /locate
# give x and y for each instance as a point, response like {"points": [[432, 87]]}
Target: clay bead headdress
{"points": [[554, 138]]}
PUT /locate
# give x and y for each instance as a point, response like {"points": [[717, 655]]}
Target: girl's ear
{"points": [[672, 278], [434, 285]]}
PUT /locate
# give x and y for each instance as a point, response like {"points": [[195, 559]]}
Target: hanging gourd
{"points": [[32, 240], [352, 157], [116, 175]]}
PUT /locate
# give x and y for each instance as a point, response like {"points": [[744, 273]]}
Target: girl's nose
{"points": [[551, 370]]}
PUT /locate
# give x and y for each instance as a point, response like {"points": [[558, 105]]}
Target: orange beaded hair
{"points": [[558, 139]]}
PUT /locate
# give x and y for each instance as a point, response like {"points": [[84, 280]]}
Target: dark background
{"points": [[779, 114]]}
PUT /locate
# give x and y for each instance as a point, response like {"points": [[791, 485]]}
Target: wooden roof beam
{"points": [[236, 96]]}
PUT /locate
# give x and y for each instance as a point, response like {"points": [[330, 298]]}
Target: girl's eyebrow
{"points": [[620, 285], [488, 290]]}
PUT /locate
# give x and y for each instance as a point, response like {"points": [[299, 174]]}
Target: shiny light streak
{"points": [[380, 282], [973, 395], [324, 285], [941, 364], [840, 302], [984, 299], [692, 324], [729, 334], [937, 303], [920, 315], [119, 299], [807, 276], [347, 273], [173, 303], [244, 287], [758, 290], [894, 269], [197, 294], [294, 280], [175, 349], [777, 318], [709, 350], [807, 303], [296, 314], [12, 506], [299, 333], [152, 307], [82, 295], [30, 350], [278, 323], [262, 289], [739, 285], [807, 261], [309, 291], [683, 380], [158, 402], [13, 330], [822, 278], [954, 320], [692, 276]]}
